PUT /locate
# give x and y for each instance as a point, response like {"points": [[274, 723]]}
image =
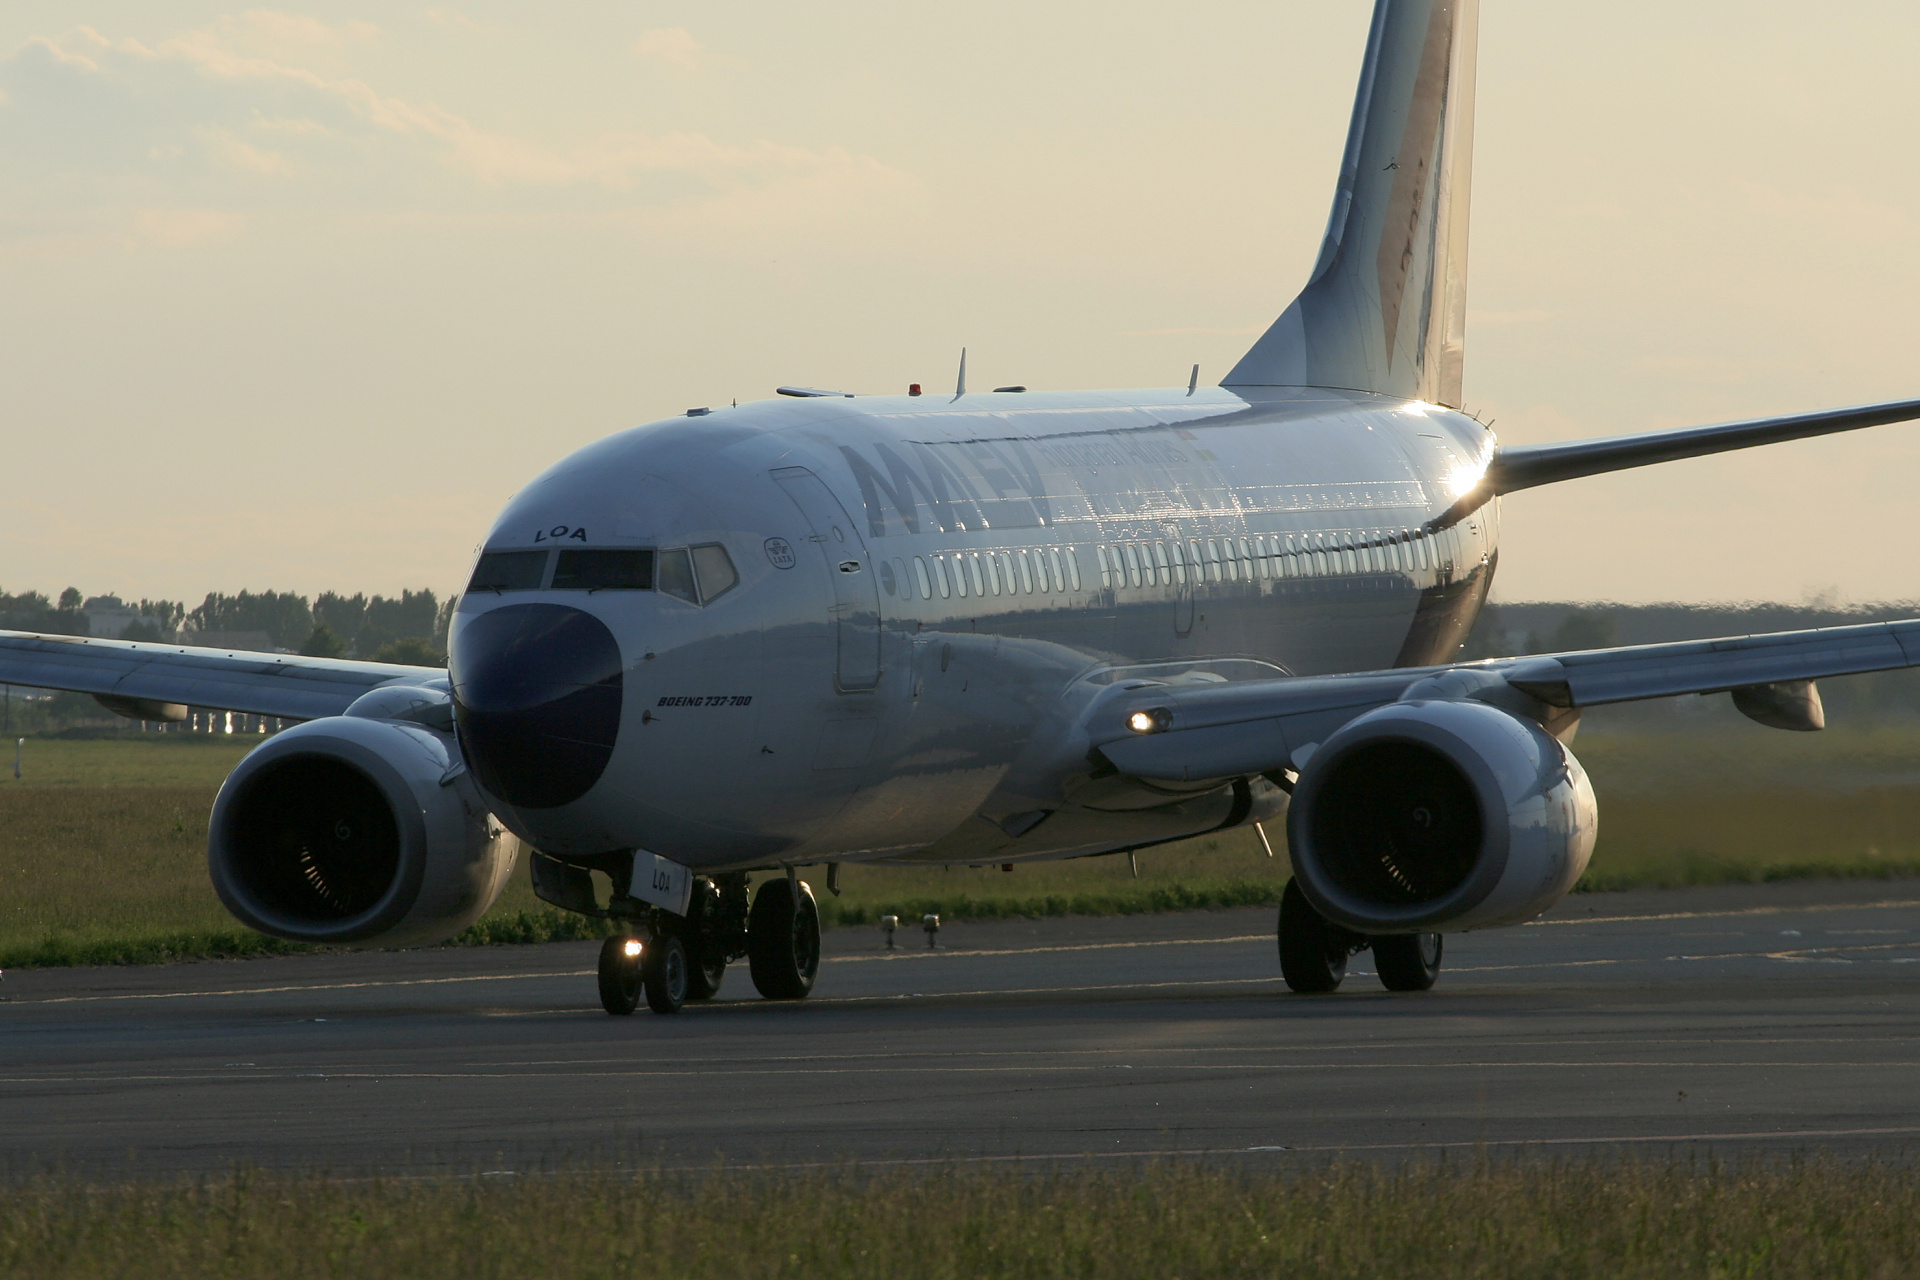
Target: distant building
{"points": [[256, 641], [108, 616]]}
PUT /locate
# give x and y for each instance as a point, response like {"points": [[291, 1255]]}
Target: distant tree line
{"points": [[410, 628]]}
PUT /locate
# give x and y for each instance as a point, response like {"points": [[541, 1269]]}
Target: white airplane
{"points": [[995, 627]]}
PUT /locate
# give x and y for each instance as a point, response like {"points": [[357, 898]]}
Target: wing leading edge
{"points": [[283, 685], [1259, 726]]}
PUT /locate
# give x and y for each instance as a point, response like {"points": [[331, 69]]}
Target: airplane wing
{"points": [[1195, 732], [132, 673]]}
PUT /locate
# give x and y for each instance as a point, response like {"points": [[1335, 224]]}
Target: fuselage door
{"points": [[843, 554]]}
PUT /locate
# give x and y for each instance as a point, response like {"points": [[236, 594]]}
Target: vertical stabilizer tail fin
{"points": [[1385, 309]]}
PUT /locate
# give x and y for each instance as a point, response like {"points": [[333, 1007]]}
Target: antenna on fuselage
{"points": [[960, 388], [1193, 380]]}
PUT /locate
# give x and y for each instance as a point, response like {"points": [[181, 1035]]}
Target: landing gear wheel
{"points": [[1313, 950], [705, 973], [666, 972], [619, 977], [1407, 961], [783, 940]]}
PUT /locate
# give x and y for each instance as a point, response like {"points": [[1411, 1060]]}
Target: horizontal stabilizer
{"points": [[1525, 466]]}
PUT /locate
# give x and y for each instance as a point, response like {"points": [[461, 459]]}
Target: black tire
{"points": [[705, 973], [783, 940], [619, 978], [1313, 950], [1407, 961], [666, 972]]}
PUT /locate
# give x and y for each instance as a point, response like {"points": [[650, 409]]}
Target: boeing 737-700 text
{"points": [[992, 628]]}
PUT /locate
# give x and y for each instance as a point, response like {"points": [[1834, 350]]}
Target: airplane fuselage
{"points": [[925, 583]]}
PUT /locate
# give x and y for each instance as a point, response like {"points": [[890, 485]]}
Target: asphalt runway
{"points": [[1762, 1018]]}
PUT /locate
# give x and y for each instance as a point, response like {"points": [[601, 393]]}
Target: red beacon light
{"points": [[913, 388]]}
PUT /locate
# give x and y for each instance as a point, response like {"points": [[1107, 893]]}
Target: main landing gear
{"points": [[1314, 950], [670, 959]]}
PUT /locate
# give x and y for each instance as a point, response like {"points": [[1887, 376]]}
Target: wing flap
{"points": [[283, 685]]}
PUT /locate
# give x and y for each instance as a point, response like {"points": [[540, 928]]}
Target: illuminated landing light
{"points": [[632, 949], [1153, 720]]}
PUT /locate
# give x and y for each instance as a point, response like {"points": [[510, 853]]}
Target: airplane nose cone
{"points": [[536, 693]]}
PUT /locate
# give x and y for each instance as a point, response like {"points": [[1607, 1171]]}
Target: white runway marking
{"points": [[1726, 915], [1322, 1149], [1802, 955]]}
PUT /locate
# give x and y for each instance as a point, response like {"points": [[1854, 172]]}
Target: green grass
{"points": [[103, 843], [1579, 1220]]}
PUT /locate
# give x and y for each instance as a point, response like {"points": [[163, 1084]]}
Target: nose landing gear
{"points": [[620, 980], [665, 972], [668, 959]]}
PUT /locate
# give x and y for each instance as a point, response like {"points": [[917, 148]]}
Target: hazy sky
{"points": [[298, 298]]}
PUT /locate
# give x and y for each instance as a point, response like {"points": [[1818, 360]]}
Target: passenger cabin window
{"points": [[621, 570], [509, 571]]}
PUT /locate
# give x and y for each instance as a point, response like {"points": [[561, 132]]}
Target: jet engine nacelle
{"points": [[357, 832], [1439, 816]]}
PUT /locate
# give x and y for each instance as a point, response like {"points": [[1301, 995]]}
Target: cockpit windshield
{"points": [[694, 574], [509, 571], [604, 570]]}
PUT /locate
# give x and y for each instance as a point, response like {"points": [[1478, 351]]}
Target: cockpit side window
{"points": [[713, 568], [673, 575], [617, 570], [509, 571]]}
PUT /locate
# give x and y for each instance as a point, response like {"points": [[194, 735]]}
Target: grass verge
{"points": [[1621, 1220], [102, 846]]}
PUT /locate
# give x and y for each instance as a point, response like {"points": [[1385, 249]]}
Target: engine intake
{"points": [[1439, 815], [356, 831]]}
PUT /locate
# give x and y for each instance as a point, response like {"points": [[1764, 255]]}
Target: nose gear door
{"points": [[856, 598]]}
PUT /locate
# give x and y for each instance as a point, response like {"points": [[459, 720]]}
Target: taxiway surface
{"points": [[1750, 1018]]}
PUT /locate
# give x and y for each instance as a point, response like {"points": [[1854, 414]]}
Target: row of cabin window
{"points": [[1249, 559], [982, 573]]}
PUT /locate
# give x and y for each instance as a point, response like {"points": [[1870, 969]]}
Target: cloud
{"points": [[178, 227], [673, 46], [230, 150], [206, 117], [288, 30]]}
